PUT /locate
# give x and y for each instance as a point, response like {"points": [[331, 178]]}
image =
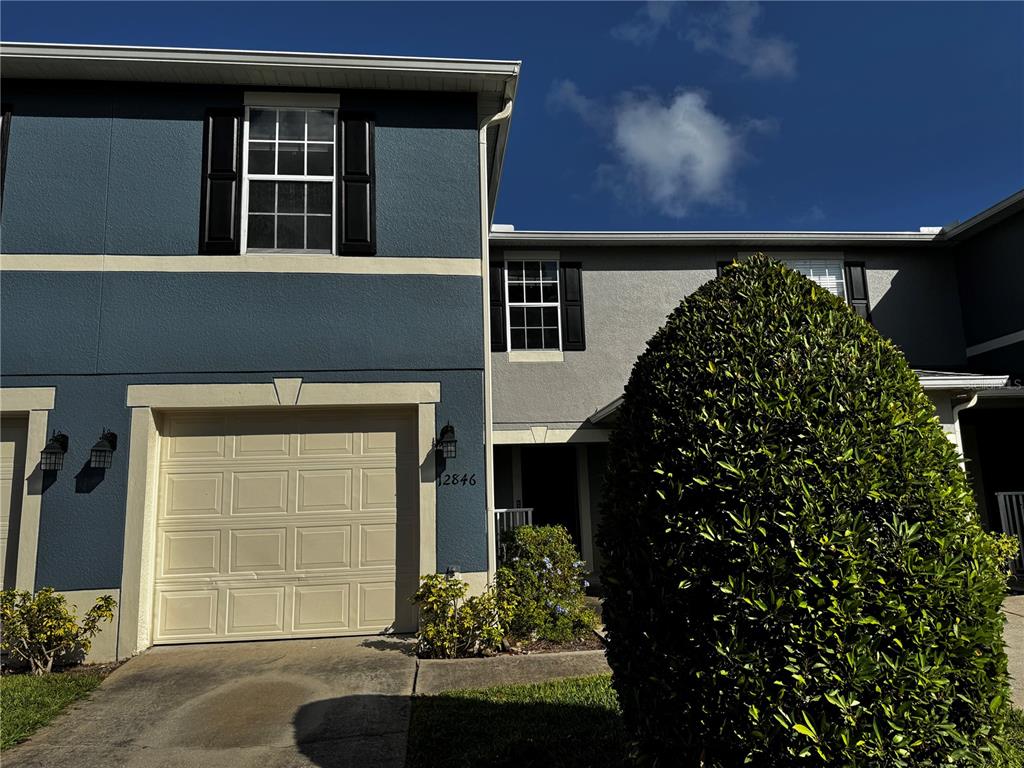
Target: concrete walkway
{"points": [[1013, 634], [332, 703]]}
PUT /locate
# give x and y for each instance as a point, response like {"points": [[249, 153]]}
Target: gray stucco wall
{"points": [[628, 293], [115, 168], [91, 335], [990, 268]]}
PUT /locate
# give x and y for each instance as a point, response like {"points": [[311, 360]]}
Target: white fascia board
{"points": [[511, 239], [72, 58]]}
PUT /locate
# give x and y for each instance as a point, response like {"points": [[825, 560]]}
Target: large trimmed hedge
{"points": [[795, 573]]}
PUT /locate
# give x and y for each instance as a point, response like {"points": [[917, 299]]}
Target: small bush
{"points": [[540, 586], [795, 573], [453, 625], [39, 630]]}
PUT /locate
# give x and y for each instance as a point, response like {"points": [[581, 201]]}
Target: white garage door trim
{"points": [[137, 583], [35, 404]]}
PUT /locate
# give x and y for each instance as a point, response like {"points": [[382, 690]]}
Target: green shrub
{"points": [[795, 571], [540, 586], [40, 630], [453, 625]]}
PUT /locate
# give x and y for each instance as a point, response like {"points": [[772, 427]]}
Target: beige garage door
{"points": [[272, 525], [12, 480]]}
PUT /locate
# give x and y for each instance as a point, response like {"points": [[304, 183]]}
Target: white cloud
{"points": [[730, 32], [646, 24], [673, 155]]}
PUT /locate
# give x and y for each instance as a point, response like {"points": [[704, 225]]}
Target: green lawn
{"points": [[562, 724], [28, 702]]}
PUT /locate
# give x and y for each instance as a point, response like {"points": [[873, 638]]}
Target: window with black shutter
{"points": [[544, 305], [5, 132]]}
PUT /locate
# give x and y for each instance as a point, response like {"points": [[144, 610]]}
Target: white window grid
{"points": [[541, 305], [827, 273], [276, 141]]}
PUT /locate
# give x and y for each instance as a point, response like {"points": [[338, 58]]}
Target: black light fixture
{"points": [[51, 458], [446, 441], [102, 454]]}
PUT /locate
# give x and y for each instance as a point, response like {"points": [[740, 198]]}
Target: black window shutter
{"points": [[721, 267], [5, 132], [857, 289], [497, 276], [220, 210], [570, 282], [357, 193]]}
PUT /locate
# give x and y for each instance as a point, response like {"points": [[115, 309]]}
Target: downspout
{"points": [[956, 426], [485, 256]]}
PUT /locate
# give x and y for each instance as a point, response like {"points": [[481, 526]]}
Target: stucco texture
{"points": [[116, 168], [629, 292]]}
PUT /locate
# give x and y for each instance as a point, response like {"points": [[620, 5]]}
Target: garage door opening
{"points": [[276, 524]]}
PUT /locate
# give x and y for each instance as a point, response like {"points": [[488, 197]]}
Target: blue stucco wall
{"points": [[114, 168], [91, 334]]}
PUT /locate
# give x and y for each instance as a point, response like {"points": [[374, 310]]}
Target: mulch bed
{"points": [[590, 642]]}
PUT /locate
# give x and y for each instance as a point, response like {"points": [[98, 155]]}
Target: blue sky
{"points": [[684, 115]]}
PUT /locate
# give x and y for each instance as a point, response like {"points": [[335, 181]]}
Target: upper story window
{"points": [[289, 178], [533, 310], [827, 273]]}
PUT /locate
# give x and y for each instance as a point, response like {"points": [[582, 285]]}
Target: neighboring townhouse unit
{"points": [[258, 278], [571, 311], [264, 361]]}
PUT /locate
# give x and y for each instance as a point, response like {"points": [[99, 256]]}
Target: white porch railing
{"points": [[507, 520], [1011, 512]]}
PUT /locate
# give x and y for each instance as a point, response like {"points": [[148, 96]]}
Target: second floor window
{"points": [[826, 272], [533, 312], [289, 179]]}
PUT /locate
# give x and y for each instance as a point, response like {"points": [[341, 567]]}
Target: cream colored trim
{"points": [[996, 343], [426, 424], [25, 399], [288, 99], [477, 580], [139, 534], [542, 435], [104, 644], [143, 467], [270, 263], [35, 403], [536, 356], [267, 395], [583, 495]]}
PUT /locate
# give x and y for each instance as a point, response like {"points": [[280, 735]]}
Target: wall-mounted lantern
{"points": [[102, 454], [51, 458], [446, 441]]}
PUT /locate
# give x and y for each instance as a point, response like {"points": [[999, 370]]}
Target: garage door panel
{"points": [[187, 614], [326, 444], [284, 525], [377, 546], [256, 550], [322, 608], [259, 493], [376, 609], [193, 495], [255, 611], [190, 553], [323, 547], [324, 490], [378, 488]]}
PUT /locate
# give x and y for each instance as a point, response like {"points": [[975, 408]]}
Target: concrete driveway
{"points": [[330, 703]]}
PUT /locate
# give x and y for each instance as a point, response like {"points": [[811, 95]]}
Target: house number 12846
{"points": [[454, 478]]}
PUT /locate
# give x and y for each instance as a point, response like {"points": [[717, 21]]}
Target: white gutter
{"points": [[966, 381], [956, 427], [708, 238], [485, 255], [12, 51]]}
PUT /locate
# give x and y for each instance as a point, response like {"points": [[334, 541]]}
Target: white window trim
{"points": [[279, 101], [534, 355]]}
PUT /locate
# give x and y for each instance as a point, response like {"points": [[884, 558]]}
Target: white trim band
{"points": [[276, 263]]}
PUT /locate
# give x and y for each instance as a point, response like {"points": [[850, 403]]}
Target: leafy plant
{"points": [[795, 572], [540, 586], [39, 629], [453, 625]]}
